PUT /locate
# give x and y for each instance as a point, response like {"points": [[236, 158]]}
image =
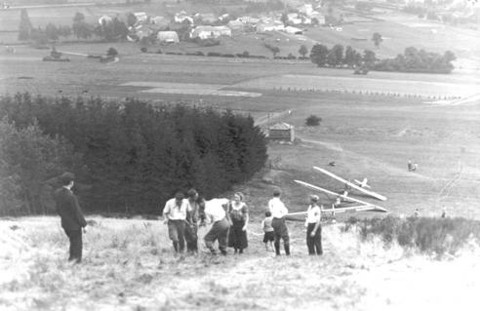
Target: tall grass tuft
{"points": [[429, 235]]}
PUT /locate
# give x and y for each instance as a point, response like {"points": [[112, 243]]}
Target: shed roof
{"points": [[281, 126]]}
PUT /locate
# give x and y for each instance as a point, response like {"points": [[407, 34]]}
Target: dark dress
{"points": [[237, 237]]}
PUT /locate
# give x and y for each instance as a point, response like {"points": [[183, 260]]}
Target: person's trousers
{"points": [[219, 231], [314, 243], [280, 231], [176, 233], [191, 236], [75, 237]]}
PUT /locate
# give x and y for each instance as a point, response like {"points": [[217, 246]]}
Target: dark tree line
{"points": [[114, 30], [337, 56], [128, 157], [414, 60]]}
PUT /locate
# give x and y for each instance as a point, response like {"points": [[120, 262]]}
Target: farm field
{"points": [[129, 265], [368, 135]]}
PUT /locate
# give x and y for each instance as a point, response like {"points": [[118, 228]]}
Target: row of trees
{"points": [[113, 30], [128, 157], [337, 56], [414, 60]]}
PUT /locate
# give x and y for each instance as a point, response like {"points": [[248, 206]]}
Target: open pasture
{"points": [[368, 134], [362, 85]]}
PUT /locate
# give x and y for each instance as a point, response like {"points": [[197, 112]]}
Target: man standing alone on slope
{"points": [[278, 210], [71, 215]]}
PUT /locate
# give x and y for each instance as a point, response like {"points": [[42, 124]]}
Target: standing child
{"points": [[268, 236]]}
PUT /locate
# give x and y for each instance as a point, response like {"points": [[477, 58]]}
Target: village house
{"points": [[249, 20], [182, 16], [319, 17], [224, 17], [207, 32], [236, 25], [143, 31], [281, 132], [167, 37], [141, 17], [293, 30], [294, 19], [271, 26], [205, 18], [159, 21]]}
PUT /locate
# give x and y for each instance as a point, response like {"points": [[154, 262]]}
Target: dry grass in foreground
{"points": [[129, 265]]}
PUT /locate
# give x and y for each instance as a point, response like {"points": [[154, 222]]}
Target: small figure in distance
{"points": [[332, 163], [411, 166], [268, 235], [444, 213], [416, 213]]}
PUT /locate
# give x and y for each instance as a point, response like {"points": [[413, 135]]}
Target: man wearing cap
{"points": [[71, 216], [278, 210], [175, 215], [314, 229]]}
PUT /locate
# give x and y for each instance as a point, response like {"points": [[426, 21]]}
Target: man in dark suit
{"points": [[71, 215]]}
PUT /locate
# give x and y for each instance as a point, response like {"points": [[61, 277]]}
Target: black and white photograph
{"points": [[239, 155]]}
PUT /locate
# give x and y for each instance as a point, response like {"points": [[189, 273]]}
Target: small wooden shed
{"points": [[281, 131]]}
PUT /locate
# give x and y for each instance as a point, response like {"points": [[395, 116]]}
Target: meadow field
{"points": [[130, 265]]}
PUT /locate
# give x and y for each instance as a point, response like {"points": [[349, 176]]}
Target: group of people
{"points": [[229, 221]]}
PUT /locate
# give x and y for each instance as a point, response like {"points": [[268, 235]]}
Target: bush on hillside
{"points": [[133, 155], [430, 235], [313, 120]]}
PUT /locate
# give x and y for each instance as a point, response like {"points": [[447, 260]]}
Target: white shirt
{"points": [[314, 214], [277, 208], [175, 212], [214, 209]]}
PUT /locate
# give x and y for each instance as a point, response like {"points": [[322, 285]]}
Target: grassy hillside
{"points": [[129, 265]]}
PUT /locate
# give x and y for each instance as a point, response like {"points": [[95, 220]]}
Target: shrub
{"points": [[431, 235], [214, 54], [313, 120], [112, 52]]}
